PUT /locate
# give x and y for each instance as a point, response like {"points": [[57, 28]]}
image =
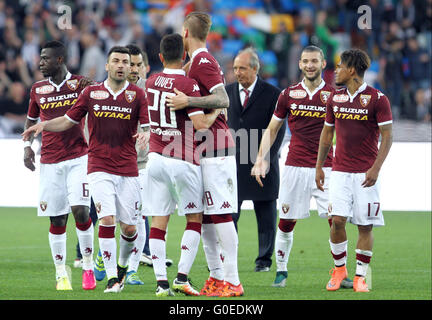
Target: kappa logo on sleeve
{"points": [[204, 60]]}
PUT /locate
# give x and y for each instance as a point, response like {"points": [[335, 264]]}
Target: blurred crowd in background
{"points": [[398, 42]]}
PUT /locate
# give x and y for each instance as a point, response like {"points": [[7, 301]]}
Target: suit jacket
{"points": [[256, 115]]}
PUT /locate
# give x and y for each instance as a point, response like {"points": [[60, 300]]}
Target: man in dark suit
{"points": [[252, 103]]}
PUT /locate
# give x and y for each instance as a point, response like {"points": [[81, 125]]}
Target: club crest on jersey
{"points": [[340, 98], [298, 94], [72, 84], [47, 89], [43, 205], [364, 99], [324, 95], [99, 94], [130, 95]]}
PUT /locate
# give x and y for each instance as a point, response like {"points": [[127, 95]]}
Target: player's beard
{"points": [[314, 77]]}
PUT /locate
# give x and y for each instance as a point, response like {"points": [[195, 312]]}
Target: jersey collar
{"points": [[174, 71], [115, 95], [360, 89], [198, 51], [58, 87], [311, 94]]}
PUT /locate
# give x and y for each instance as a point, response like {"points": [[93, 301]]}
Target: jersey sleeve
{"points": [[383, 110], [281, 110], [143, 110], [192, 90], [80, 108], [209, 75], [329, 118], [33, 110]]}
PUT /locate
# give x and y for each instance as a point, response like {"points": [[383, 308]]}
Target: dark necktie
{"points": [[246, 91]]}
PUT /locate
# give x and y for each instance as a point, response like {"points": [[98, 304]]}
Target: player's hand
{"points": [[319, 178], [143, 139], [370, 178], [37, 128], [29, 158], [225, 112], [177, 102], [259, 170], [84, 82]]}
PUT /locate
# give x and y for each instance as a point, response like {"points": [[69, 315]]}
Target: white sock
{"points": [[85, 239], [283, 245], [229, 243], [158, 253], [139, 244], [189, 247], [363, 258], [58, 251], [339, 252], [127, 247], [108, 248], [212, 250]]}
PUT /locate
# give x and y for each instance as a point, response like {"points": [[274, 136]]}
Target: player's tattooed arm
{"points": [[216, 100]]}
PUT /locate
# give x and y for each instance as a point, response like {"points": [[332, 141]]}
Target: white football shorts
{"points": [[145, 201], [63, 185], [296, 191], [173, 182], [220, 184], [115, 195], [347, 198]]}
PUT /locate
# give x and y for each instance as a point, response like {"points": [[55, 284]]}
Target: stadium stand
{"points": [[399, 42]]}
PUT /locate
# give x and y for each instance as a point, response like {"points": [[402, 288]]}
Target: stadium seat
{"points": [[232, 46]]}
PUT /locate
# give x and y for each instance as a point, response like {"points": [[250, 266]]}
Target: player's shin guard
{"points": [[339, 252], [108, 248], [363, 258], [229, 243], [212, 248], [57, 241], [127, 247], [85, 234], [158, 253], [189, 246], [284, 243], [134, 259]]}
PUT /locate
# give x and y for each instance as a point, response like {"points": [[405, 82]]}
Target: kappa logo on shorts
{"points": [[190, 205], [98, 207], [43, 205], [225, 205]]}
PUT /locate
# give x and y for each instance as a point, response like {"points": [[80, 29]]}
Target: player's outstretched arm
{"points": [[204, 121], [56, 125], [261, 165], [218, 99], [384, 149], [325, 143]]}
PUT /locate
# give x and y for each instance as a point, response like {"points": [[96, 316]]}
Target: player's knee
{"points": [[59, 221], [338, 222], [129, 230], [81, 213]]}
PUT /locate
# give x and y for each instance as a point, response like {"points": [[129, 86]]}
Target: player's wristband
{"points": [[27, 143]]}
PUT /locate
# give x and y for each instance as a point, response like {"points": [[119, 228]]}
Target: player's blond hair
{"points": [[198, 24]]}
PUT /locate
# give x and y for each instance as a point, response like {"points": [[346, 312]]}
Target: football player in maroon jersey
{"points": [[359, 114]]}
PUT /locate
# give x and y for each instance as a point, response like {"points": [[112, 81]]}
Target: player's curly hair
{"points": [[357, 59]]}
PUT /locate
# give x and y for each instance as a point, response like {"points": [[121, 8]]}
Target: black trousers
{"points": [[266, 216]]}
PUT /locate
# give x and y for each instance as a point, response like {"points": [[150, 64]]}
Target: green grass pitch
{"points": [[401, 264]]}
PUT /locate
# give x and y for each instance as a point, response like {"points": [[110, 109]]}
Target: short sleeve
{"points": [[383, 110], [80, 108], [209, 75], [329, 118], [33, 110], [281, 109], [143, 110]]}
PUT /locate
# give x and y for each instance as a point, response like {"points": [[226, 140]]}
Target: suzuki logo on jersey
{"points": [[204, 60], [308, 111], [112, 112], [350, 113], [58, 101]]}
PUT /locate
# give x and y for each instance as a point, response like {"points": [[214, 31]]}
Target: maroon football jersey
{"points": [[207, 72], [306, 114], [356, 119], [49, 101], [112, 122], [171, 132]]}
